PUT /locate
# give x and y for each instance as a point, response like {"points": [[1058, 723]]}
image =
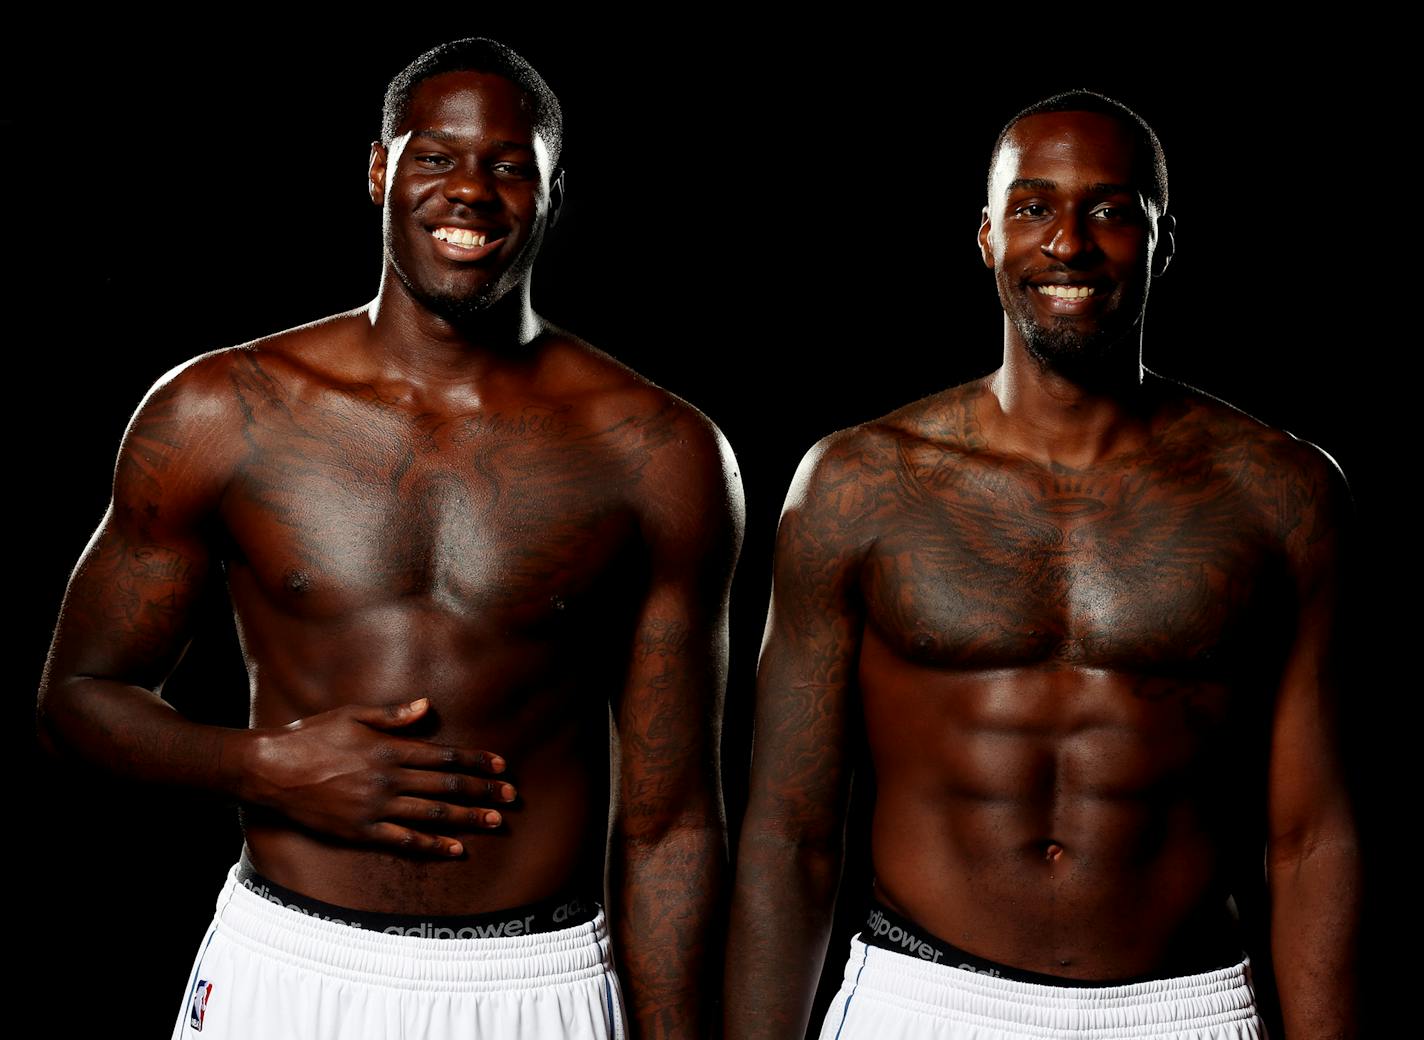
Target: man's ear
{"points": [[556, 195], [1166, 244], [985, 249], [376, 174]]}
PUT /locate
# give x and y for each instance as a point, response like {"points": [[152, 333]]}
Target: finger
{"points": [[392, 716], [446, 814], [421, 754], [411, 841], [453, 786]]}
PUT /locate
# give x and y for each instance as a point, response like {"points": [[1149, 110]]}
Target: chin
{"points": [[457, 309], [453, 306], [1069, 351]]}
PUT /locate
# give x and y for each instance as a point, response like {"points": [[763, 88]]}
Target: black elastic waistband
{"points": [[887, 930], [550, 915]]}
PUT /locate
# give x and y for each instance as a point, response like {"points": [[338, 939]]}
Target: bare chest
{"points": [[340, 506], [1127, 568]]}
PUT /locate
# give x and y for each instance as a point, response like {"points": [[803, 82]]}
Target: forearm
{"points": [[133, 733], [1315, 917], [781, 921], [668, 897]]}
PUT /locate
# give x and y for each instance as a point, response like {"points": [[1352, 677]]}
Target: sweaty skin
{"points": [[454, 545], [1088, 626]]}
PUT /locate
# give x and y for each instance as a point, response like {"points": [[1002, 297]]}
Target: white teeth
{"points": [[459, 236], [1066, 292]]}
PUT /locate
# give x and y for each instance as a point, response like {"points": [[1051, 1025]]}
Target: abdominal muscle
{"points": [[540, 703], [1052, 820]]}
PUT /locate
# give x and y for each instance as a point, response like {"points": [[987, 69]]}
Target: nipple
{"points": [[925, 644]]}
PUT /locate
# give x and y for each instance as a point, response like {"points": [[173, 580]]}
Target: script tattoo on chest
{"points": [[345, 490]]}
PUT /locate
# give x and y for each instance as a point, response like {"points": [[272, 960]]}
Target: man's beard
{"points": [[459, 310], [1065, 348]]}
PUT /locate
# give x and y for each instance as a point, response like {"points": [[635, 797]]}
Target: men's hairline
{"points": [[1125, 119], [529, 98]]}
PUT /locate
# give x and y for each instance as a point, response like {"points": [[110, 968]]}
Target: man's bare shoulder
{"points": [[1298, 487], [675, 458], [186, 432], [206, 384], [857, 470], [1212, 425]]}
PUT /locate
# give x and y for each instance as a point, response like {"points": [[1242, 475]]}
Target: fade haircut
{"points": [[1088, 101], [477, 54]]}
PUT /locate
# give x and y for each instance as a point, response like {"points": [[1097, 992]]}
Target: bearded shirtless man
{"points": [[1087, 618], [456, 539]]}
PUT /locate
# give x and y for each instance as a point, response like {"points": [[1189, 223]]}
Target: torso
{"points": [[487, 557], [1065, 676]]}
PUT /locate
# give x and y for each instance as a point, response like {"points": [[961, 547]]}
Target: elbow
{"points": [[43, 737], [1333, 849], [60, 714], [48, 710], [683, 832], [812, 856]]}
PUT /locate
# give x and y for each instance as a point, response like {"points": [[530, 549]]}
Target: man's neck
{"points": [[1073, 420], [412, 343]]}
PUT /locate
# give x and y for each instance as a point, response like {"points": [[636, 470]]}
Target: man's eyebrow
{"points": [[1043, 184], [1031, 184]]}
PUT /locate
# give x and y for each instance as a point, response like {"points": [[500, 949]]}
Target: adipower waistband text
{"points": [[887, 930], [550, 915]]}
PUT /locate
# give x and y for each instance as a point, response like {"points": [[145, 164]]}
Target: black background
{"points": [[777, 227]]}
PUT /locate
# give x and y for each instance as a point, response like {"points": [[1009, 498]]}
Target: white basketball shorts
{"points": [[267, 972], [893, 996]]}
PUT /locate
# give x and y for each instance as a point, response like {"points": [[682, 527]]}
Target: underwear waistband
{"points": [[549, 915], [887, 930]]}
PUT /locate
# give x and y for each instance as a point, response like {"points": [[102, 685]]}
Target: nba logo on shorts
{"points": [[199, 1007]]}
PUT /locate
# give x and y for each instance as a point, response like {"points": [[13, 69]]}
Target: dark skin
{"points": [[1088, 623], [445, 531]]}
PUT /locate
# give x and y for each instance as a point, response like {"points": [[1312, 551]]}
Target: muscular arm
{"points": [[126, 622], [792, 843], [1313, 858], [127, 611], [668, 852]]}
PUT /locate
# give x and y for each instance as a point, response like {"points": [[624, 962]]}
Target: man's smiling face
{"points": [[1070, 234], [464, 189]]}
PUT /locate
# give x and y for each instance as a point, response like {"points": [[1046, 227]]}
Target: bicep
{"points": [[127, 606], [1307, 787], [128, 603], [668, 714], [805, 687]]}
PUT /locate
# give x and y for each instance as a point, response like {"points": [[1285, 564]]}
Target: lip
{"points": [[1059, 306], [467, 254]]}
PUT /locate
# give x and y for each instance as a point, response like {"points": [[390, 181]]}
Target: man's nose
{"points": [[470, 184], [1068, 238]]}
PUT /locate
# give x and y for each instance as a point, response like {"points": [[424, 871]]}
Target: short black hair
{"points": [[477, 54], [1091, 101]]}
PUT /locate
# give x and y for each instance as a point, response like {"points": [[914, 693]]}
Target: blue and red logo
{"points": [[199, 1007]]}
